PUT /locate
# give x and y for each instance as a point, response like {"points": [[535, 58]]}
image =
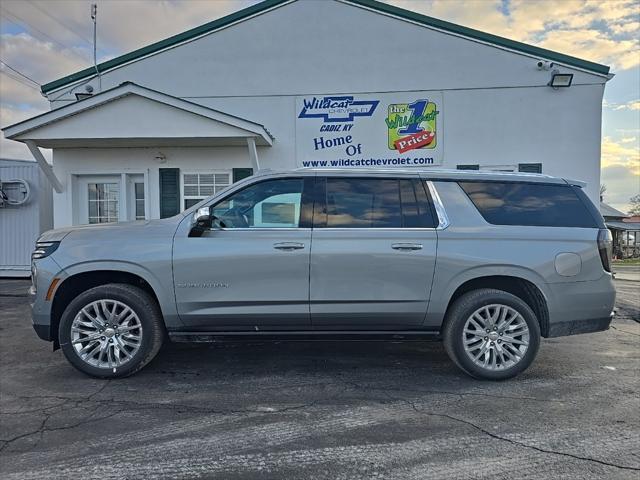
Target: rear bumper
{"points": [[579, 326], [581, 307]]}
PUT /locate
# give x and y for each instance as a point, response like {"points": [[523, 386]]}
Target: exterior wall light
{"points": [[560, 80]]}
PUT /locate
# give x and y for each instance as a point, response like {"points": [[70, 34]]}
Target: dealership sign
{"points": [[372, 130]]}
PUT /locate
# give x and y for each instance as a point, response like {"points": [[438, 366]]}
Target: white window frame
{"points": [[216, 189], [74, 195], [132, 180]]}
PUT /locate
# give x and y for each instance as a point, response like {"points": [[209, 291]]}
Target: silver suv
{"points": [[489, 262]]}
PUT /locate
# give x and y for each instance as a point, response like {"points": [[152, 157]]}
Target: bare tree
{"points": [[634, 209]]}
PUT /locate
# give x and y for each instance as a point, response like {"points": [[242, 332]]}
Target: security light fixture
{"points": [[560, 80]]}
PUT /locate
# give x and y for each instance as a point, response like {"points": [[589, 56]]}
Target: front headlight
{"points": [[44, 249]]}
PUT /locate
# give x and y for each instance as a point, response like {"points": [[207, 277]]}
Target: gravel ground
{"points": [[322, 410]]}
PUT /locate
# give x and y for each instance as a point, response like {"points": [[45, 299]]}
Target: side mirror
{"points": [[202, 217], [201, 222]]}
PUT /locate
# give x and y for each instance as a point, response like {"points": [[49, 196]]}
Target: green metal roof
{"points": [[372, 4]]}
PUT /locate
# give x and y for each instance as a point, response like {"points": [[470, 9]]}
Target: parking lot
{"points": [[322, 410]]}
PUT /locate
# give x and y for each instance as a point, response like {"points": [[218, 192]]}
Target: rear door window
{"points": [[376, 203], [416, 208], [529, 204]]}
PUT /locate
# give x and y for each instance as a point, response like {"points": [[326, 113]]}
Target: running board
{"points": [[305, 336]]}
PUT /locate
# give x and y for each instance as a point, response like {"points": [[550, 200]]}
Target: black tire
{"points": [[144, 306], [454, 336]]}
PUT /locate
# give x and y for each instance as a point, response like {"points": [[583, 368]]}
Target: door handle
{"points": [[288, 246], [406, 246]]}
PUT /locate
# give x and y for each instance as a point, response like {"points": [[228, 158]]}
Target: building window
{"points": [[198, 186], [498, 168], [103, 202], [530, 167], [138, 191]]}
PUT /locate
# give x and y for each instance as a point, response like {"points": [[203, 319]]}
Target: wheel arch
{"points": [[517, 285], [82, 277]]}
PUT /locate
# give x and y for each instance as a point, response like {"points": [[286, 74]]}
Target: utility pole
{"points": [[94, 18]]}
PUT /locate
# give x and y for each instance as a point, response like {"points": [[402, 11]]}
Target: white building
{"points": [[290, 83]]}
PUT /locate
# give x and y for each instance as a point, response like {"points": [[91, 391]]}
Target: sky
{"points": [[42, 40]]}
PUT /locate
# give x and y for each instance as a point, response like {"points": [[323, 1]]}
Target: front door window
{"points": [[269, 204], [103, 202]]}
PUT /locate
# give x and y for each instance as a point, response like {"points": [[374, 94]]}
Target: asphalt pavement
{"points": [[322, 410]]}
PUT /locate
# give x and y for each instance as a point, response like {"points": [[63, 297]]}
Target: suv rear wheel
{"points": [[491, 334], [111, 331]]}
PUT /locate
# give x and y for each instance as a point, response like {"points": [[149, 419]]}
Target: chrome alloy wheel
{"points": [[496, 337], [106, 333]]}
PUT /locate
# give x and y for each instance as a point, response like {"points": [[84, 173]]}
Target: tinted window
{"points": [[270, 204], [376, 203], [416, 210], [512, 203]]}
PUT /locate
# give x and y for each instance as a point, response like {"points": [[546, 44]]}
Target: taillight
{"points": [[605, 248]]}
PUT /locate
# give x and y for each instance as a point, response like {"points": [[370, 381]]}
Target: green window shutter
{"points": [[169, 192], [240, 173], [530, 167], [468, 167]]}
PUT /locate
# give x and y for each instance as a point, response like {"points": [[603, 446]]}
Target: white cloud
{"points": [[8, 116], [621, 185], [617, 153], [634, 105], [601, 31], [620, 170], [40, 60]]}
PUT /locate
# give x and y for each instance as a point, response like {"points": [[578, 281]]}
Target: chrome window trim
{"points": [[258, 229], [443, 218], [358, 229]]}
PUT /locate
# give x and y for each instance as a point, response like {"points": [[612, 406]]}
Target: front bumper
{"points": [[47, 270]]}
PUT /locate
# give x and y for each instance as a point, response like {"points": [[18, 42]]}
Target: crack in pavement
{"points": [[457, 394], [491, 434], [509, 440], [128, 405], [625, 331], [43, 428]]}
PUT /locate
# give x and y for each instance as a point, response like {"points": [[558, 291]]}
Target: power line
{"points": [[19, 80], [56, 19], [18, 72], [27, 26]]}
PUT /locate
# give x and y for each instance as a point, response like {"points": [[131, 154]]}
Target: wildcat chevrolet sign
{"points": [[385, 130], [337, 109]]}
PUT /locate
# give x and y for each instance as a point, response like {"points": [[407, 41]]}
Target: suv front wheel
{"points": [[111, 331], [491, 334]]}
